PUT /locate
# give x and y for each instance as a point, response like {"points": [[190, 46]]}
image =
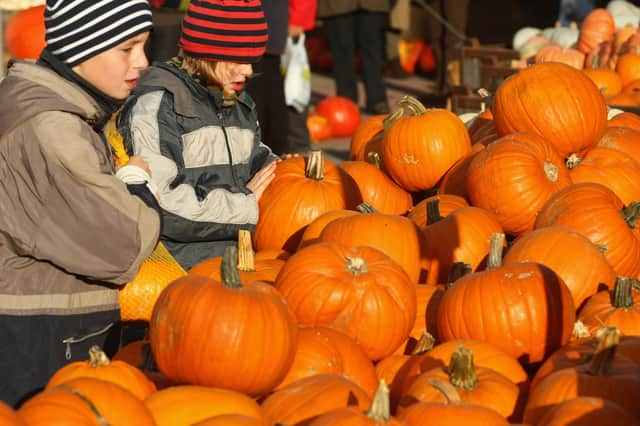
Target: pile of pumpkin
{"points": [[606, 46], [445, 274]]}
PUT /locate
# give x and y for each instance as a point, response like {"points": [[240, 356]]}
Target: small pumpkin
{"points": [[619, 308], [342, 113], [597, 26], [24, 33], [319, 127]]}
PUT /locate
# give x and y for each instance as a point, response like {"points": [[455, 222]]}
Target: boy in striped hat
{"points": [[71, 228], [197, 128]]}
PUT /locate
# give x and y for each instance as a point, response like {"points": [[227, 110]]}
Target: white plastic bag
{"points": [[297, 76]]}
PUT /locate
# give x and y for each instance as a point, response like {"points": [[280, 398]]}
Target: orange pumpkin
{"points": [[363, 139], [86, 401], [536, 100], [231, 334], [419, 149], [608, 81], [100, 367], [597, 26], [352, 290], [580, 264], [190, 404], [311, 234], [513, 177], [230, 420], [342, 113], [302, 190], [454, 181], [628, 67], [625, 119], [588, 411], [596, 212], [377, 189], [8, 417], [24, 34], [427, 302], [447, 203], [622, 139], [617, 308], [251, 267], [319, 127], [564, 55], [307, 398]]}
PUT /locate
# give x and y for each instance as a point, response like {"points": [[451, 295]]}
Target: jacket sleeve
{"points": [[73, 211], [302, 13], [218, 215]]}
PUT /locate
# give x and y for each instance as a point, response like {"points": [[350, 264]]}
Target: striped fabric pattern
{"points": [[225, 30], [77, 30]]}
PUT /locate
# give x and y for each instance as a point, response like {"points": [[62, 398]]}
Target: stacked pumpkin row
{"points": [[607, 51]]}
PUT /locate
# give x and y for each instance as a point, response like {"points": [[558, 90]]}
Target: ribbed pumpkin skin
{"points": [[552, 101], [8, 417], [156, 272], [322, 291], [265, 270], [311, 396], [300, 200], [626, 119], [513, 177], [204, 333], [427, 413], [447, 203], [623, 139], [366, 131], [589, 411], [580, 264], [523, 308], [597, 26], [72, 402], [230, 420], [312, 232], [418, 150], [612, 168], [118, 372], [463, 236], [596, 212], [191, 404], [599, 312], [351, 416]]}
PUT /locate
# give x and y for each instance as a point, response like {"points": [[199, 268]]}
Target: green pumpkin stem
{"points": [[413, 105], [315, 165], [393, 117], [365, 208], [631, 213], [621, 296], [433, 211], [229, 268], [457, 271], [246, 261], [462, 372], [380, 410], [447, 390], [97, 357], [605, 352], [356, 266], [496, 245]]}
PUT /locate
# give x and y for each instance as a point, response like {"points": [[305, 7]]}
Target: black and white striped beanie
{"points": [[77, 30]]}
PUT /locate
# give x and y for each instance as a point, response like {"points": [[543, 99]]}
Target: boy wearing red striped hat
{"points": [[71, 228], [191, 120]]}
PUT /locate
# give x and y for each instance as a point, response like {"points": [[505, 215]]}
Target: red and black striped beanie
{"points": [[225, 30]]}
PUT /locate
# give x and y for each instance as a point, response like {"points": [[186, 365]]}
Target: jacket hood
{"points": [[30, 89]]}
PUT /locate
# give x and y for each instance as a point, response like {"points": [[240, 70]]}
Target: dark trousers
{"points": [[298, 137], [32, 348], [267, 90], [363, 33]]}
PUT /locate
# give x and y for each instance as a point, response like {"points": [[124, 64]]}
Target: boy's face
{"points": [[115, 71], [231, 76]]}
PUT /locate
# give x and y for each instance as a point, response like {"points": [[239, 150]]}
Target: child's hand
{"points": [[288, 155], [138, 161], [262, 179]]}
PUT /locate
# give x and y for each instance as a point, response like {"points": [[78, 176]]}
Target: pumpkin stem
{"points": [[621, 296], [393, 117], [447, 390], [357, 266], [631, 213], [462, 372], [494, 260], [97, 357], [605, 352], [457, 271], [315, 165], [365, 208], [551, 171], [580, 331], [412, 104], [380, 410], [245, 252], [486, 98], [373, 158], [424, 344], [572, 161], [595, 62], [101, 420], [433, 211], [228, 268]]}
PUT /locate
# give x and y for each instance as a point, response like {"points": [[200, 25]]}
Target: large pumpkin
{"points": [[353, 290], [419, 149], [588, 411], [231, 334], [24, 35], [302, 190], [552, 101]]}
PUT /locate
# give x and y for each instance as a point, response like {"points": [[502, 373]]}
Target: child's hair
{"points": [[204, 71]]}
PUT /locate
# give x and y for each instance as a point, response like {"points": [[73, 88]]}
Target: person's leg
{"points": [[267, 90], [370, 36], [33, 348], [340, 35], [456, 13], [298, 138]]}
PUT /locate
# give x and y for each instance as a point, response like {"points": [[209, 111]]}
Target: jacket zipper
{"points": [[70, 340]]}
